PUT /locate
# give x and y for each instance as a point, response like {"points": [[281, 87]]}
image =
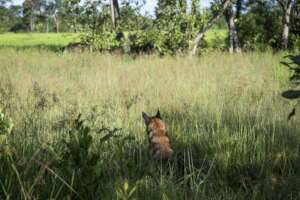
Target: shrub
{"points": [[258, 33], [103, 41], [6, 126], [139, 41]]}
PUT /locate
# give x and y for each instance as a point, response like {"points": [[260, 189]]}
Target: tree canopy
{"points": [[177, 26]]}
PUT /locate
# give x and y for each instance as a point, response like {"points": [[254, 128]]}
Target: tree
{"points": [[298, 16], [286, 6], [48, 9], [58, 11], [232, 31], [72, 10], [182, 6], [165, 8], [115, 12], [4, 15], [204, 28], [194, 7], [30, 9]]}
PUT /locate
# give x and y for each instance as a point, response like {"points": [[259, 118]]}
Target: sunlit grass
{"points": [[214, 38], [37, 40]]}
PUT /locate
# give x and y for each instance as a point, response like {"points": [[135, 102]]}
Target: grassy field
{"points": [[49, 41], [214, 38], [224, 113]]}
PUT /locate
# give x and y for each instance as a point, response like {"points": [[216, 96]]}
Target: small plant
{"points": [[124, 192], [294, 66], [6, 126], [80, 161]]}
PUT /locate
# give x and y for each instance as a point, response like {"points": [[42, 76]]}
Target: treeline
{"points": [[178, 26]]}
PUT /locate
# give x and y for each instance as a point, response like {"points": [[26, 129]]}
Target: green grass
{"points": [[225, 116], [214, 38], [50, 41]]}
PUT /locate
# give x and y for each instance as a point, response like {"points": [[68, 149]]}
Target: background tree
{"points": [[221, 8], [297, 16], [286, 6], [232, 31], [72, 9], [115, 12], [165, 8], [259, 25], [30, 10], [4, 15], [57, 14]]}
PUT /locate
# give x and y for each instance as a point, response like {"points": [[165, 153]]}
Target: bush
{"points": [[259, 32], [167, 35], [6, 126], [139, 41], [103, 41]]}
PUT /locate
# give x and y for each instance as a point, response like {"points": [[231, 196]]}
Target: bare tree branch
{"points": [[211, 22]]}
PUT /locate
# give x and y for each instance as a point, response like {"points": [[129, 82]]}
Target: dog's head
{"points": [[154, 122]]}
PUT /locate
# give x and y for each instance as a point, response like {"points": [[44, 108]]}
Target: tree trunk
{"points": [[115, 12], [298, 8], [236, 41], [47, 24], [57, 26], [230, 23], [56, 21], [233, 37], [298, 16], [286, 23], [286, 6], [32, 25], [204, 28]]}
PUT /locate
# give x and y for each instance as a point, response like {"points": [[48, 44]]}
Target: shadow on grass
{"points": [[213, 159], [239, 156], [47, 47]]}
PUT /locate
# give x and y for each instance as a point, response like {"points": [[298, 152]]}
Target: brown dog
{"points": [[158, 136]]}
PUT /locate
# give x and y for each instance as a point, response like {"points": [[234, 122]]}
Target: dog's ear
{"points": [[146, 118], [158, 114]]}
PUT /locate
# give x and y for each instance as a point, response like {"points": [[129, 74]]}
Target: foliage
{"points": [[170, 33], [104, 41], [9, 16], [79, 162], [293, 64], [140, 41], [260, 28], [124, 193], [6, 126]]}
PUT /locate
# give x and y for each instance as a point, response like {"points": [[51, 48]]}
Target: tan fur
{"points": [[158, 138]]}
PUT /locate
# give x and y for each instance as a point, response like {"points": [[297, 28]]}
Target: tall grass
{"points": [[225, 117]]}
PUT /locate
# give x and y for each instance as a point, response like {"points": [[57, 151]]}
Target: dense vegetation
{"points": [[177, 27], [73, 127], [215, 38]]}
